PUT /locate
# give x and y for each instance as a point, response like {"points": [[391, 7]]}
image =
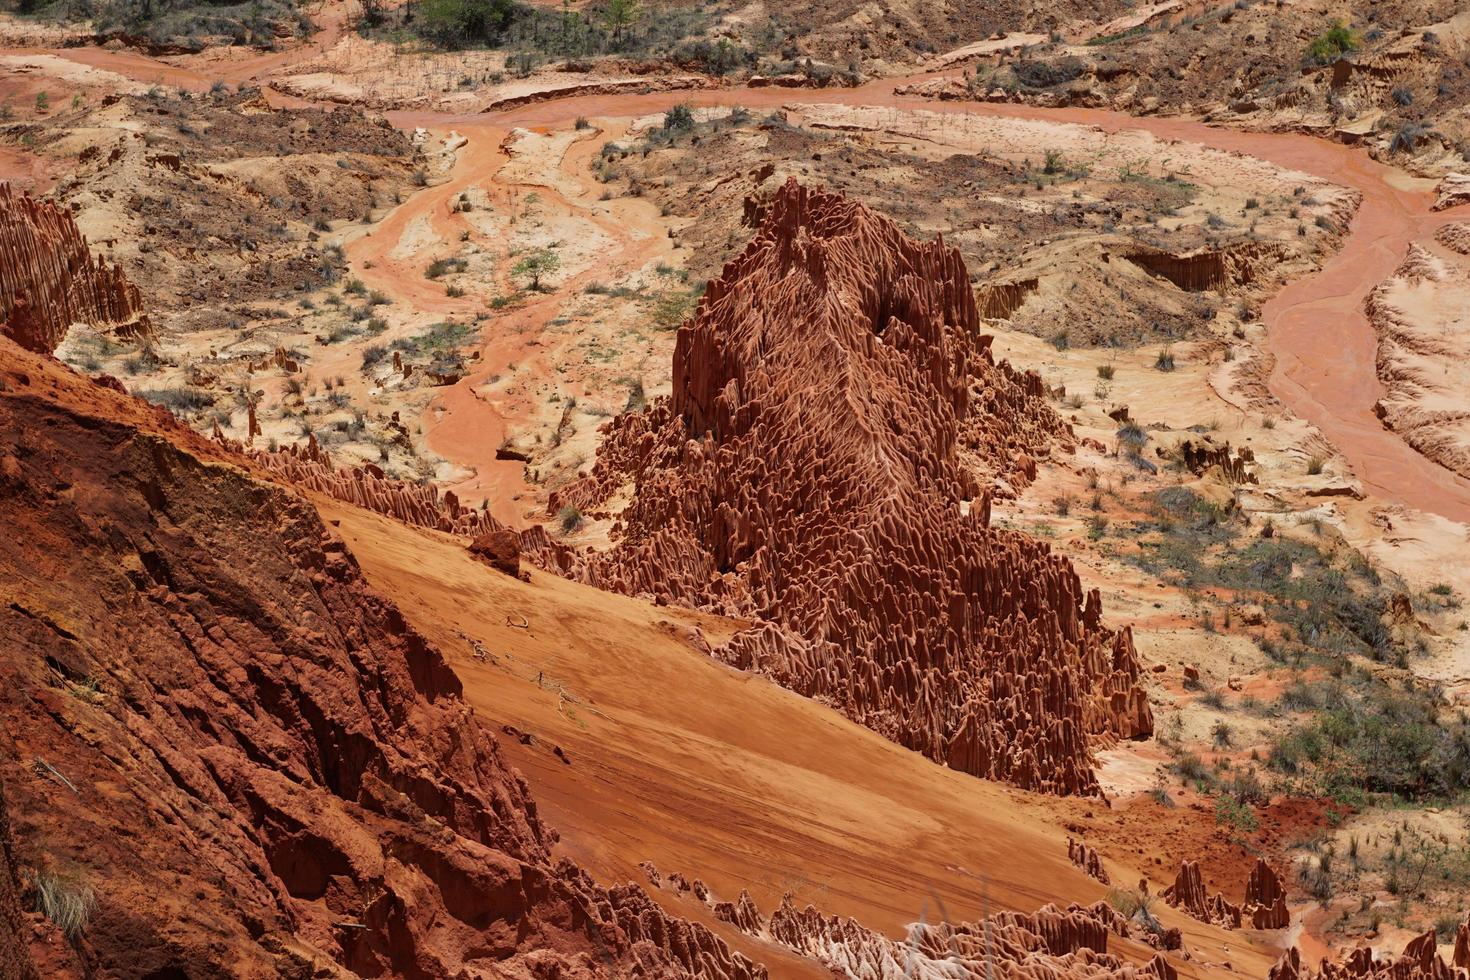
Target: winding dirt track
{"points": [[1321, 340]]}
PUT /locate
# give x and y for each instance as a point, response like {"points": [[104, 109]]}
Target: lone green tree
{"points": [[618, 16], [533, 265]]}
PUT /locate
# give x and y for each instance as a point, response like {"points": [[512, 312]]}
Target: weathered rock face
{"points": [[1200, 457], [15, 957], [1423, 327], [49, 279], [1048, 944], [816, 469], [259, 766], [1188, 893], [998, 300], [1209, 269], [1265, 899], [500, 550], [1086, 857], [1264, 906]]}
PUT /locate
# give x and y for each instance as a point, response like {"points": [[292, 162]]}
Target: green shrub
{"points": [[1339, 40]]}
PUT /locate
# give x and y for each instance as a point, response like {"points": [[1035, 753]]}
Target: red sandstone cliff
{"points": [[208, 716], [49, 279], [816, 469]]}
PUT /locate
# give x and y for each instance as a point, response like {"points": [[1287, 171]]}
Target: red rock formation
{"points": [[1420, 960], [1188, 893], [1265, 899], [1046, 945], [1086, 858], [15, 956], [50, 280], [742, 912], [261, 768], [816, 469], [280, 358]]}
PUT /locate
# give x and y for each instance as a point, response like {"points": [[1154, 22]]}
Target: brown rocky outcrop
{"points": [[1200, 457], [998, 300], [262, 770], [1188, 893], [49, 278], [1210, 269], [500, 550], [1085, 857], [824, 466]]}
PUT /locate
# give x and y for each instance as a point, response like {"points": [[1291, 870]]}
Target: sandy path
{"points": [[1321, 339]]}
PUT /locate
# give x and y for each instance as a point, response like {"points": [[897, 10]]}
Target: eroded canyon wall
{"points": [[243, 750], [825, 465]]}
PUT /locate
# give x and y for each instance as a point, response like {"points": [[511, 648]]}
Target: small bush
{"points": [[372, 355], [570, 518], [179, 400], [1105, 371], [1338, 41], [1047, 74], [442, 267], [679, 119], [1165, 360]]}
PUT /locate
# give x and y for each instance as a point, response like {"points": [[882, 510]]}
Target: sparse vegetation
{"points": [[1336, 42], [66, 898], [535, 265]]}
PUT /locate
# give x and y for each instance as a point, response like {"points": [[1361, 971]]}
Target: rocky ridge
{"points": [[241, 748], [816, 469]]}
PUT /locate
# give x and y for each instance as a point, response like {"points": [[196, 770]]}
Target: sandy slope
{"points": [[787, 795]]}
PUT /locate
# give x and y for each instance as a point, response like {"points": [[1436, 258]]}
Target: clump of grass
{"points": [[442, 267], [1105, 371], [66, 898], [570, 518], [1314, 465], [1165, 360]]}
